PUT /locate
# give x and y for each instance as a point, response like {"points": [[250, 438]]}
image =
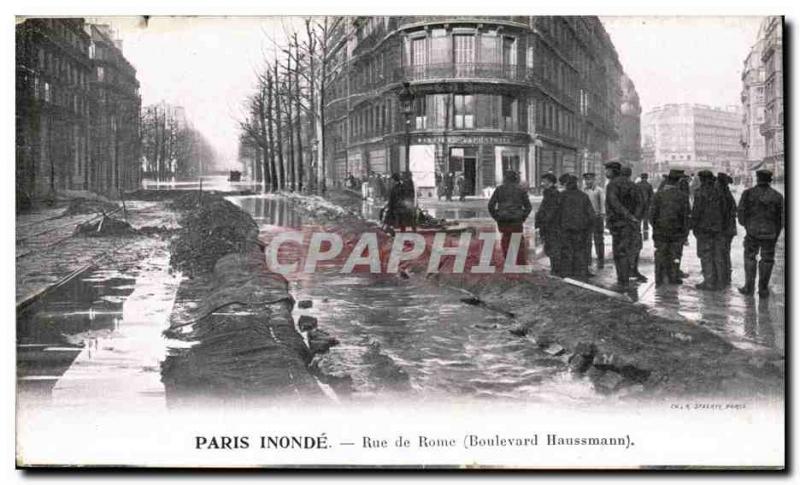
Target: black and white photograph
{"points": [[538, 242]]}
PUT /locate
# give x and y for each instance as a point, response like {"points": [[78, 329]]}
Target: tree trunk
{"points": [[279, 135]]}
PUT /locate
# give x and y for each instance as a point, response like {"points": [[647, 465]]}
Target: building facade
{"points": [[53, 104], [753, 106], [475, 96], [693, 137], [116, 151], [630, 131], [60, 145], [772, 59]]}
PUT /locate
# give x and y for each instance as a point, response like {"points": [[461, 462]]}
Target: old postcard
{"points": [[456, 241]]}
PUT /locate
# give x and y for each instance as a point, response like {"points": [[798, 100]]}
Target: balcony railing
{"points": [[509, 72]]}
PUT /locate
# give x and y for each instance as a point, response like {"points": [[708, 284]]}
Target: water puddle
{"points": [[97, 339]]}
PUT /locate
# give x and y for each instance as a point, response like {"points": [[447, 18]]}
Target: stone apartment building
{"points": [[475, 96], [77, 109]]}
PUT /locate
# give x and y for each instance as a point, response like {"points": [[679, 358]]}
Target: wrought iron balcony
{"points": [[451, 70]]}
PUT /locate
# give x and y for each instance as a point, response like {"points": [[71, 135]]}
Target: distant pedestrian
{"points": [[575, 221], [728, 225], [761, 212], [707, 228], [509, 206], [621, 221], [647, 196], [546, 222], [597, 197], [669, 216], [439, 185], [449, 184]]}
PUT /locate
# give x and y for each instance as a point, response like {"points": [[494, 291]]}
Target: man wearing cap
{"points": [[575, 220], [509, 206], [669, 216], [647, 197], [761, 213], [639, 213], [546, 222], [621, 206], [728, 225], [707, 215], [598, 199]]}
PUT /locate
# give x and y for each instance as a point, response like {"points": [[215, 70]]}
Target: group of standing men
{"points": [[571, 220], [712, 217], [450, 183]]}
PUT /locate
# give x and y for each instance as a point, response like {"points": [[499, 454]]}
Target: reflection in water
{"points": [[52, 332], [758, 322]]}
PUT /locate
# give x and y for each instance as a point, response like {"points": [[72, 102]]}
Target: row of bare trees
{"points": [[171, 146], [283, 135]]}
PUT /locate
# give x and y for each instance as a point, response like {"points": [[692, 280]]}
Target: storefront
{"points": [[480, 159]]}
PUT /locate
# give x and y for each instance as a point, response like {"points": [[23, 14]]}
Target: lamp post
{"points": [[407, 105]]}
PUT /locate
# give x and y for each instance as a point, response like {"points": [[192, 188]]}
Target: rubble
{"points": [[105, 226]]}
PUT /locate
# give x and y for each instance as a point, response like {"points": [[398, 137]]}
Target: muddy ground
{"points": [[619, 345]]}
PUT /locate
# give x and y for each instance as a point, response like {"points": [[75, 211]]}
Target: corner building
{"points": [[472, 95]]}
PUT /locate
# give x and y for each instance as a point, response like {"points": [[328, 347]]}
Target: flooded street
{"points": [[96, 342], [398, 336]]}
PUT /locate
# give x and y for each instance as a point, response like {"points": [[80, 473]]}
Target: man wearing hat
{"points": [[707, 215], [647, 197], [761, 213], [669, 216], [598, 200], [639, 213], [509, 206], [728, 225], [546, 222], [575, 220], [621, 206]]}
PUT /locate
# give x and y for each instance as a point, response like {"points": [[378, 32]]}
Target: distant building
{"points": [[772, 59], [76, 110], [473, 95], [753, 106], [693, 137], [53, 73]]}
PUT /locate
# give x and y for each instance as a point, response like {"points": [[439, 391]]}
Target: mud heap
{"points": [[211, 227], [234, 313], [105, 226]]}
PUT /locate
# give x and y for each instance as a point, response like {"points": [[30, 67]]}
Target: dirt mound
{"points": [[209, 231], [89, 206], [105, 226]]}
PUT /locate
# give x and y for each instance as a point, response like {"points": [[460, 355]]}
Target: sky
{"points": [[208, 65], [684, 59]]}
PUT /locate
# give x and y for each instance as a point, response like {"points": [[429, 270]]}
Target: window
{"points": [[418, 52], [419, 113], [464, 54], [508, 113], [101, 74], [464, 110], [47, 93], [509, 51], [437, 105], [529, 57]]}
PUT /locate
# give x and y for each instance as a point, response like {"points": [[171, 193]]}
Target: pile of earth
{"points": [[105, 226], [214, 228], [89, 206]]}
